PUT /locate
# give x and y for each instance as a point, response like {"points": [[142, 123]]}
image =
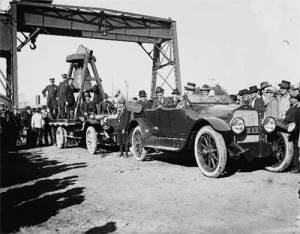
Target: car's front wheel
{"points": [[282, 154], [210, 152], [91, 140], [137, 147]]}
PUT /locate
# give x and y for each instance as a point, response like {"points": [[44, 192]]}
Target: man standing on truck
{"points": [[61, 92], [70, 99], [51, 91]]}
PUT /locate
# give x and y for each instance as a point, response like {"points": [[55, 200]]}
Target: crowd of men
{"points": [[282, 102]]}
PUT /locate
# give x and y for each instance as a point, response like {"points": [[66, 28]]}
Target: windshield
{"points": [[197, 99]]}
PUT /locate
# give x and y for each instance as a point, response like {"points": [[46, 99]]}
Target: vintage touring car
{"points": [[215, 131]]}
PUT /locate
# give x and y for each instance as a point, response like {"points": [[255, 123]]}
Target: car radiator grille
{"points": [[250, 118]]}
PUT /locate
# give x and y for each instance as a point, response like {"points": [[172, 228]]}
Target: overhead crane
{"points": [[26, 20]]}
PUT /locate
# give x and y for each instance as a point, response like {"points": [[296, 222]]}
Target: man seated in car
{"points": [[143, 100], [176, 96], [87, 107], [160, 100], [106, 107]]}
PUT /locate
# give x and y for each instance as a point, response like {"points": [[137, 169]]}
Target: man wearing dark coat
{"points": [[123, 122], [160, 100], [293, 116], [106, 106], [61, 92], [143, 100], [87, 107], [51, 91], [70, 98]]}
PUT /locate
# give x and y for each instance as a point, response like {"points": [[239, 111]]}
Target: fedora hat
{"points": [[244, 92], [142, 93], [175, 91], [205, 87], [190, 86], [285, 84], [264, 84], [253, 89], [159, 89], [64, 75]]}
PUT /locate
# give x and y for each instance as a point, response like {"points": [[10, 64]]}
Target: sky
{"points": [[236, 43]]}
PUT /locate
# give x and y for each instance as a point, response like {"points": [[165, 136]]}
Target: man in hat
{"points": [[284, 103], [160, 100], [293, 116], [97, 98], [26, 124], [272, 108], [106, 107], [70, 98], [244, 93], [294, 90], [233, 98], [51, 91], [46, 131], [205, 90], [122, 128], [87, 107], [259, 102], [253, 91], [61, 92], [37, 125], [143, 100], [190, 88], [176, 96]]}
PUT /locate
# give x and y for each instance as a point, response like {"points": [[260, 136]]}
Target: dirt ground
{"points": [[47, 190]]}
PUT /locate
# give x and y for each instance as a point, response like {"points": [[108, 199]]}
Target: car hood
{"points": [[222, 111]]}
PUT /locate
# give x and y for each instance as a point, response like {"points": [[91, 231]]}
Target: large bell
{"points": [[77, 74]]}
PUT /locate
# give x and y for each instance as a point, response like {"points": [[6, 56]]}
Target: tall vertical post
{"points": [[13, 55], [156, 63], [176, 57]]}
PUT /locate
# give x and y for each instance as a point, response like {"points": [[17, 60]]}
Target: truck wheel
{"points": [[61, 137], [210, 152], [137, 148], [282, 154], [91, 140]]}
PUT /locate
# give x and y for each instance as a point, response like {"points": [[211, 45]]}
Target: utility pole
{"points": [[127, 87]]}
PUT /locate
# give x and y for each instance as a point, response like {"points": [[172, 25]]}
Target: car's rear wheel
{"points": [[210, 152], [61, 137], [137, 147], [282, 154], [91, 140]]}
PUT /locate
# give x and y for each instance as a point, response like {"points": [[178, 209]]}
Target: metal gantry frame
{"points": [[29, 19]]}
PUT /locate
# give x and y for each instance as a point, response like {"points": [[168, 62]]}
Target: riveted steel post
{"points": [[156, 63]]}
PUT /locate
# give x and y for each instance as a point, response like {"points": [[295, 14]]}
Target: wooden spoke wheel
{"points": [[137, 147], [210, 152], [61, 137], [282, 152], [91, 140]]}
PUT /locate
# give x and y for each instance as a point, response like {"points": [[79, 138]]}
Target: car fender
{"points": [[218, 124], [148, 128]]}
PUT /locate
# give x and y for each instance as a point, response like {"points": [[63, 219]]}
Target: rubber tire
{"points": [[222, 152], [136, 155], [61, 137], [91, 148], [289, 152]]}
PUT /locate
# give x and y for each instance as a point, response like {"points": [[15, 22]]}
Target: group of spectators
{"points": [[282, 102], [29, 127]]}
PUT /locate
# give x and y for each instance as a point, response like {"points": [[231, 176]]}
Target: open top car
{"points": [[214, 130]]}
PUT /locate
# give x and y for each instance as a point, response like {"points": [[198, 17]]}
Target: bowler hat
{"points": [[253, 89], [205, 87], [244, 92], [142, 93], [176, 91], [190, 86], [264, 84], [159, 89], [52, 79], [285, 84], [27, 108], [64, 76]]}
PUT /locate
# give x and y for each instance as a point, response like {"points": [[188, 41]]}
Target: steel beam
{"points": [[13, 65]]}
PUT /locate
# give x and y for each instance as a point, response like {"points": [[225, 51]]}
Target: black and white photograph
{"points": [[150, 117]]}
